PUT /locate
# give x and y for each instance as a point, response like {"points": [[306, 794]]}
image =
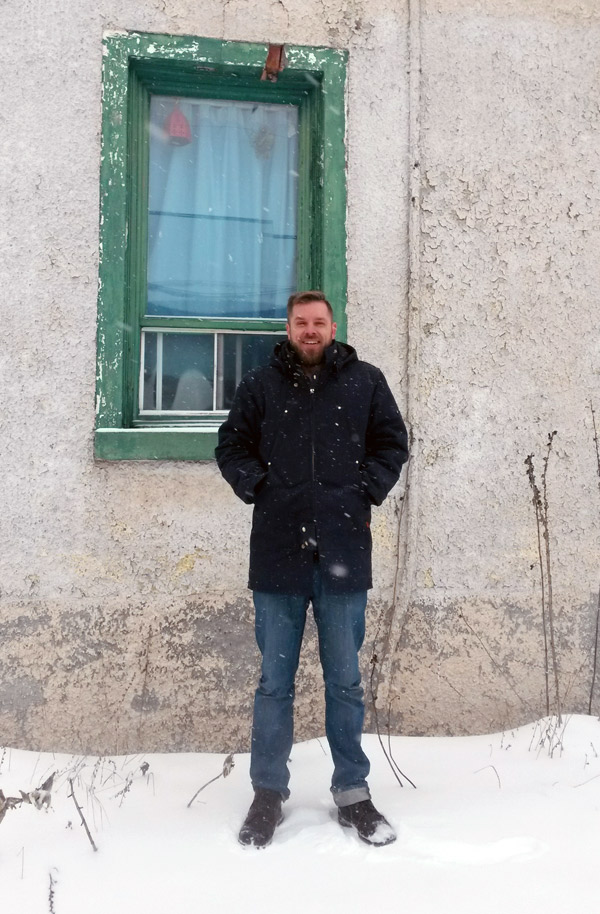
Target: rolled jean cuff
{"points": [[348, 797]]}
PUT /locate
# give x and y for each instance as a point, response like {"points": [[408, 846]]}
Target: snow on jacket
{"points": [[312, 454]]}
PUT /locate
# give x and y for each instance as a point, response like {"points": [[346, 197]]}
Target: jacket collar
{"points": [[337, 356]]}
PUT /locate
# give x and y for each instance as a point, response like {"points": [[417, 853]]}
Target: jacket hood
{"points": [[337, 356]]}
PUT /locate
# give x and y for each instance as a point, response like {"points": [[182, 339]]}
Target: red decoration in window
{"points": [[177, 128]]}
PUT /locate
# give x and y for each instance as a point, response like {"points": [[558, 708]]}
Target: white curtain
{"points": [[222, 209]]}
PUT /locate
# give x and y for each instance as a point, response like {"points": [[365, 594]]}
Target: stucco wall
{"points": [[125, 620], [508, 352]]}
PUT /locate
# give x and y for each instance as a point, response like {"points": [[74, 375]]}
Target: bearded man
{"points": [[313, 440]]}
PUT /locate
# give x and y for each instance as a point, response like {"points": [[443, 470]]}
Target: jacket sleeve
{"points": [[237, 452], [386, 444]]}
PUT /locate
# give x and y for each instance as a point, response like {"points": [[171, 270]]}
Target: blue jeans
{"points": [[280, 620]]}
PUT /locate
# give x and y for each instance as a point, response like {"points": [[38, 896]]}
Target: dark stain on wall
{"points": [[19, 695], [22, 627]]}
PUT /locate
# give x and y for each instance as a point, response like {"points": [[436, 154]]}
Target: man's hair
{"points": [[302, 298]]}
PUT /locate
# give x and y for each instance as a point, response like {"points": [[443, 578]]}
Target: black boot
{"points": [[369, 824], [263, 818]]}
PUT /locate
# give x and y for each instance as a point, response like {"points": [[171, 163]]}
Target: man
{"points": [[313, 440]]}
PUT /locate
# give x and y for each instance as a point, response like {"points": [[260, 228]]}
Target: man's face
{"points": [[310, 330]]}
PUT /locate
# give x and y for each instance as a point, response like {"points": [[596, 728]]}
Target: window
{"points": [[220, 194]]}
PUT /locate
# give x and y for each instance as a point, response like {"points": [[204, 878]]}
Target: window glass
{"points": [[222, 208], [241, 352], [178, 371], [198, 372]]}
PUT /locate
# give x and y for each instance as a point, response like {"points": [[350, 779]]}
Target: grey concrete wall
{"points": [[125, 620]]}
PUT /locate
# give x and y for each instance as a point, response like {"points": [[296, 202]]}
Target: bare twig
{"points": [[596, 442], [374, 687], [391, 755], [597, 632], [42, 797], [583, 783], [505, 676], [398, 774], [51, 893], [388, 645], [81, 816], [537, 504], [493, 769], [228, 764], [550, 735], [540, 502], [595, 659], [321, 745], [549, 577], [7, 803]]}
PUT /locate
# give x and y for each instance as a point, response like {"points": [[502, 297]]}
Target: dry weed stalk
{"points": [[228, 764], [52, 882], [597, 632], [374, 661], [81, 815], [540, 504]]}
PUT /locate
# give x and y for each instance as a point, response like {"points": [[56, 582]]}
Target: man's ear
{"points": [[333, 329], [287, 330]]}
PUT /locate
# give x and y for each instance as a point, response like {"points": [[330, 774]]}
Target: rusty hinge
{"points": [[274, 63]]}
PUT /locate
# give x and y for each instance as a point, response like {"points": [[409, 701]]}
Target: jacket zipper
{"points": [[312, 431], [312, 385]]}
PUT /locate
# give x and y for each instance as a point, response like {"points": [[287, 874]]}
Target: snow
{"points": [[499, 822], [383, 834]]}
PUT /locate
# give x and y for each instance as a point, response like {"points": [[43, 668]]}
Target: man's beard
{"points": [[309, 357]]}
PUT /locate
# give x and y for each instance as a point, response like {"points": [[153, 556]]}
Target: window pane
{"points": [[179, 367], [222, 207], [241, 352], [149, 356]]}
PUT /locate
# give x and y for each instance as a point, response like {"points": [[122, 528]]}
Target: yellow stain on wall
{"points": [[90, 566], [429, 582], [382, 532], [187, 562]]}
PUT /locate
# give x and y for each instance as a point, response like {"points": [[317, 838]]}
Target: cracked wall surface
{"points": [[125, 621], [508, 353]]}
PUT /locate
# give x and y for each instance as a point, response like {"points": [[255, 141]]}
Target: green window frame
{"points": [[135, 66]]}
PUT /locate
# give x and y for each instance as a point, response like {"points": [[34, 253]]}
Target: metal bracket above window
{"points": [[274, 63]]}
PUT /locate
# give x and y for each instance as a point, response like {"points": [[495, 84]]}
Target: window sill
{"points": [[155, 443]]}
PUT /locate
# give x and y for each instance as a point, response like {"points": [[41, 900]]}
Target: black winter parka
{"points": [[313, 454]]}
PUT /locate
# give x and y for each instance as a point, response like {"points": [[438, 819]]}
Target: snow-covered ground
{"points": [[495, 825]]}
